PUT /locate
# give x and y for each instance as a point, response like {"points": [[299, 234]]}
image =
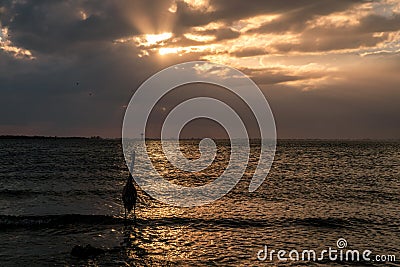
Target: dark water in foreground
{"points": [[55, 194]]}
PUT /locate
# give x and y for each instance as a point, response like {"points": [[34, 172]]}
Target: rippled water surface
{"points": [[58, 193]]}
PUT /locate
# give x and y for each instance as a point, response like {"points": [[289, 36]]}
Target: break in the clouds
{"points": [[329, 68]]}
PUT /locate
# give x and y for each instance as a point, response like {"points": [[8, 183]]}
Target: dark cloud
{"points": [[298, 9], [295, 13], [188, 17], [250, 52], [224, 34], [343, 37], [45, 91], [271, 76], [295, 17], [316, 38], [376, 23], [51, 26], [365, 106], [330, 40]]}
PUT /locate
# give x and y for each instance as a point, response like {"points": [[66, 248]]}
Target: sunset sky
{"points": [[329, 68]]}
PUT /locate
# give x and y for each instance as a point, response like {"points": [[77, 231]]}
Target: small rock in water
{"points": [[86, 252]]}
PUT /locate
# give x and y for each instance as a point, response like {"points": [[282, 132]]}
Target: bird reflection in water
{"points": [[131, 244]]}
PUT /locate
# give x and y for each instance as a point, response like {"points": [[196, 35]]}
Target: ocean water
{"points": [[58, 193]]}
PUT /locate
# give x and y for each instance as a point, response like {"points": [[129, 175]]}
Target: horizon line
{"points": [[97, 137]]}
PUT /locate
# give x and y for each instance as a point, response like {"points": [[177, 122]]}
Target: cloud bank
{"points": [[329, 68]]}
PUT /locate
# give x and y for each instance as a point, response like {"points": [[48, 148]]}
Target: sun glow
{"points": [[168, 50], [203, 5], [153, 39], [184, 50]]}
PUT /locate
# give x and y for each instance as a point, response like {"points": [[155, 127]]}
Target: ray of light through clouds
{"points": [[256, 49], [324, 65]]}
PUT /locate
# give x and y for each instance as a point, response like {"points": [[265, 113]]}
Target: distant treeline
{"points": [[44, 137]]}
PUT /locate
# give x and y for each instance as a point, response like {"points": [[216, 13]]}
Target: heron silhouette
{"points": [[129, 194]]}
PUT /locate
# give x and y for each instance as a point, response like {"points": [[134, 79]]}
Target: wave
{"points": [[7, 221], [56, 221], [282, 222], [12, 193]]}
